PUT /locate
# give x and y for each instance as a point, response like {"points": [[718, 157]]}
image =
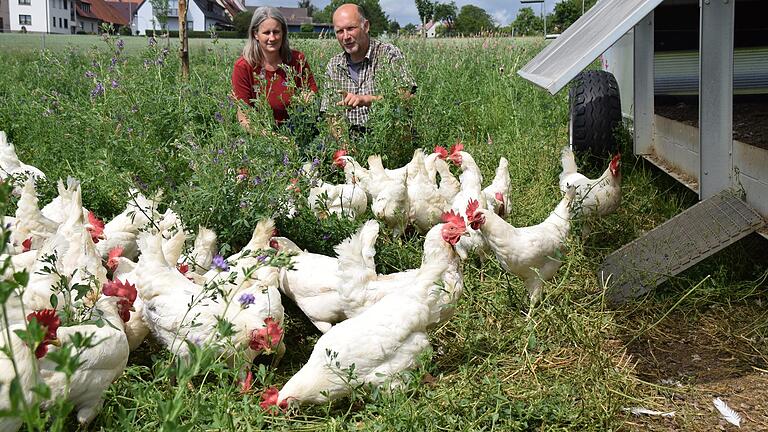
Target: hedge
{"points": [[224, 34]]}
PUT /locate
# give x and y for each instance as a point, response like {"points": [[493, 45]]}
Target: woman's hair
{"points": [[252, 52]]}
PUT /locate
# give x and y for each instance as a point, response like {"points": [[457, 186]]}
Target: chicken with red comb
{"points": [[442, 153], [454, 227], [96, 227], [455, 155], [269, 399], [112, 258], [338, 159], [267, 338], [127, 293], [50, 321]]}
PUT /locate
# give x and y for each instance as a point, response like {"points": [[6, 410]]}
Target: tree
{"points": [[426, 10], [409, 29], [446, 12], [241, 22], [567, 12], [372, 9], [472, 19], [308, 5], [394, 27], [527, 23], [160, 9]]}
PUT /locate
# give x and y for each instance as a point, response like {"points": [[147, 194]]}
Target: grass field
{"points": [[576, 364]]}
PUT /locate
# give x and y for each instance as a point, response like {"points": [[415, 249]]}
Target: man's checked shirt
{"points": [[380, 55]]}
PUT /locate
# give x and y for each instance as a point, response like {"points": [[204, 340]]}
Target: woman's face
{"points": [[270, 36]]}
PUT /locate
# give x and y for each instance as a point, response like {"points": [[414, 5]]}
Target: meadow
{"points": [[115, 114]]}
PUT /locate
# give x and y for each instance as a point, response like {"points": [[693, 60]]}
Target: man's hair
{"points": [[252, 52]]}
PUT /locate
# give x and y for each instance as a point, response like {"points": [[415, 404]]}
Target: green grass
{"points": [[570, 367]]}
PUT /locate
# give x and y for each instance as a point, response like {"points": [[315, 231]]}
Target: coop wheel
{"points": [[595, 111]]}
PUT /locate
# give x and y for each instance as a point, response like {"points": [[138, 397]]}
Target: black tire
{"points": [[595, 112]]}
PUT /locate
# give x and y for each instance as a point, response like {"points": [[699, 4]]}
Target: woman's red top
{"points": [[250, 82]]}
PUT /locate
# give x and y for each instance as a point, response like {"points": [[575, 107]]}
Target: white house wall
{"points": [[145, 17], [36, 10], [56, 11]]}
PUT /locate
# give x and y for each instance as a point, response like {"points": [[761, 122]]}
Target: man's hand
{"points": [[356, 100]]}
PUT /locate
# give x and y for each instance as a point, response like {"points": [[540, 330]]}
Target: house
{"points": [[202, 15], [91, 14], [431, 28], [296, 17], [51, 16]]}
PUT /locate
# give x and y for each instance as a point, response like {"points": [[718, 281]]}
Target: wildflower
{"points": [[220, 151], [134, 109], [95, 64], [114, 61], [165, 52], [216, 160], [246, 299], [256, 180], [242, 174], [243, 204], [315, 162], [285, 159], [98, 90], [326, 236], [147, 63], [262, 258], [152, 41], [246, 385], [130, 129], [219, 118], [115, 84], [220, 263], [89, 74], [48, 112], [120, 44]]}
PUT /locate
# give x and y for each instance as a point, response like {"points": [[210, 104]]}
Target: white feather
{"points": [[729, 414]]}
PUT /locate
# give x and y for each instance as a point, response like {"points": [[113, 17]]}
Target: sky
{"points": [[404, 11]]}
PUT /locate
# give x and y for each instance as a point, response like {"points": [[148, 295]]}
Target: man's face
{"points": [[351, 32]]}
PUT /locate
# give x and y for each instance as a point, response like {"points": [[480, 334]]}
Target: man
{"points": [[352, 73]]}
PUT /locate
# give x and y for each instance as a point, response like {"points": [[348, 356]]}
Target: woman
{"points": [[260, 71]]}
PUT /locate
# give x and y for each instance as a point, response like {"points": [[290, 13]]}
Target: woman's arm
{"points": [[242, 89]]}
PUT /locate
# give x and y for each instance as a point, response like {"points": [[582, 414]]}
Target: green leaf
{"points": [[22, 278]]}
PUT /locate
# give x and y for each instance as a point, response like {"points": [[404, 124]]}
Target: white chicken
{"points": [[312, 281], [425, 203], [178, 310], [346, 200], [391, 205], [58, 209], [354, 173], [373, 347], [122, 229], [31, 228], [497, 193], [471, 188], [22, 363], [529, 252], [199, 260], [102, 362], [10, 165], [448, 186], [594, 198]]}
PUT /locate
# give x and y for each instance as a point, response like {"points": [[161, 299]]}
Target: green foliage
{"points": [[241, 22], [307, 28], [373, 12], [472, 19], [566, 12], [161, 9], [527, 23], [307, 4], [447, 13]]}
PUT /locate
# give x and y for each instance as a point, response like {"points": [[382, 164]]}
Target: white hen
{"points": [[10, 165]]}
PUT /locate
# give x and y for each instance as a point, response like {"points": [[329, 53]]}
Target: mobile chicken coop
{"points": [[713, 56]]}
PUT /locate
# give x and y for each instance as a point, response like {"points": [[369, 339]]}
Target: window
{"points": [[25, 2], [54, 21], [60, 23], [25, 19], [210, 6], [65, 3], [86, 7], [82, 26], [66, 24]]}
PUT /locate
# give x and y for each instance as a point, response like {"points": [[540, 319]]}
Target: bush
{"points": [[125, 31], [307, 28]]}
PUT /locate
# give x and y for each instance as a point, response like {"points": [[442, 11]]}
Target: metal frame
{"points": [[643, 90], [716, 96]]}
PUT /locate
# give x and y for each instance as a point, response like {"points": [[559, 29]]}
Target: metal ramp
{"points": [[676, 245]]}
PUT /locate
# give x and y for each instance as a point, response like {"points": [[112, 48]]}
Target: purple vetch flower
{"points": [[89, 74], [256, 180], [220, 151], [285, 159], [160, 61], [326, 236], [134, 109], [120, 44], [216, 160], [219, 118], [261, 258], [152, 41], [95, 64], [246, 299], [130, 129], [114, 61], [315, 162], [220, 263], [165, 52], [98, 90], [115, 84]]}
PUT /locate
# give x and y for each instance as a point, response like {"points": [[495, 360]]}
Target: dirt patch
{"points": [[750, 117], [694, 361]]}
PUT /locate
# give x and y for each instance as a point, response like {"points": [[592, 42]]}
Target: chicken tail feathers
{"points": [[568, 162]]}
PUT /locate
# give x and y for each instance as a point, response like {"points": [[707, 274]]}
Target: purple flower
{"points": [[120, 43], [216, 160], [89, 74], [114, 61], [152, 41], [315, 162], [98, 90], [285, 159], [243, 204], [115, 84], [326, 236], [246, 299], [130, 129], [262, 258], [256, 180], [95, 64], [220, 263], [134, 109], [147, 63], [160, 61], [219, 118], [220, 151]]}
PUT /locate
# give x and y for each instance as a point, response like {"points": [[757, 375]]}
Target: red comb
{"points": [[339, 153], [499, 196], [451, 217], [115, 252], [26, 245], [117, 288], [183, 268], [47, 318], [472, 208], [441, 152], [269, 398], [457, 147], [97, 227]]}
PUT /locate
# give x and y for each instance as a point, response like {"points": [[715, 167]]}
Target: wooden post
{"points": [[184, 48]]}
